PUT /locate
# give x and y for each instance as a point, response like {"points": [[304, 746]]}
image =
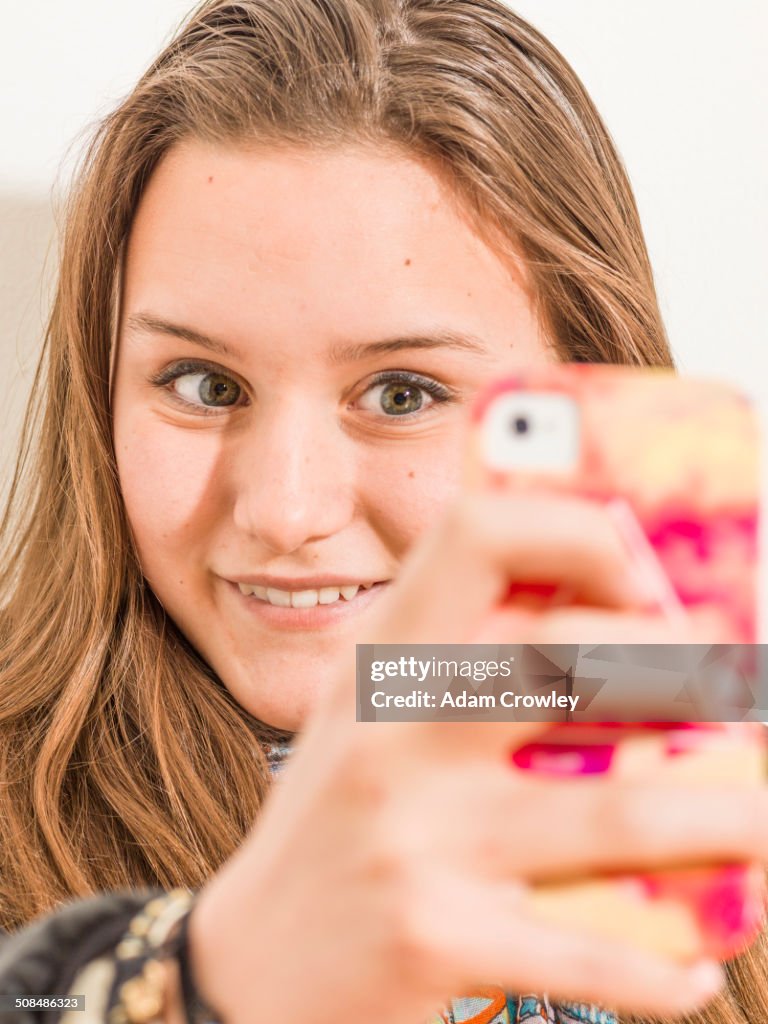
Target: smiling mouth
{"points": [[305, 598]]}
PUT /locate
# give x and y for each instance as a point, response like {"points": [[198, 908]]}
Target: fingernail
{"points": [[706, 978], [565, 759], [647, 577]]}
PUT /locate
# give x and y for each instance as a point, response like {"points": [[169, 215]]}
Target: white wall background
{"points": [[682, 85]]}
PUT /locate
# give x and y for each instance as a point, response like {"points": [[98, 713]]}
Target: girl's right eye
{"points": [[200, 387], [210, 388]]}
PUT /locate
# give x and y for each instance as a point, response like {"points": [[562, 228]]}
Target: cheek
{"points": [[170, 486], [408, 491]]}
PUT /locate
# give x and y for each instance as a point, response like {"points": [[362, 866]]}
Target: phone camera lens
{"points": [[520, 425]]}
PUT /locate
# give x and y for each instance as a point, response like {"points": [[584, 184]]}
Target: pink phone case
{"points": [[676, 462], [684, 912]]}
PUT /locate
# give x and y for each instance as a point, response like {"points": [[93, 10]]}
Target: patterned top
{"points": [[490, 1004]]}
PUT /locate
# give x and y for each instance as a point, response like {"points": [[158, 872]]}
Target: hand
{"points": [[387, 870]]}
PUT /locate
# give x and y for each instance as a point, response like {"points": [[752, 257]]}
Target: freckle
{"points": [[412, 474], [210, 178], [407, 263], [469, 295]]}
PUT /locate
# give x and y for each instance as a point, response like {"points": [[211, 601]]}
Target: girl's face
{"points": [[301, 335]]}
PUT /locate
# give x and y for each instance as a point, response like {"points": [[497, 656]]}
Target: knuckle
{"points": [[589, 960], [402, 873], [491, 847], [612, 548], [467, 523], [358, 777], [414, 949], [391, 852], [397, 895], [756, 821], [384, 864], [489, 856], [631, 813], [546, 630]]}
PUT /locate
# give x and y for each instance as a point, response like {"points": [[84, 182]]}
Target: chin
{"points": [[286, 707]]}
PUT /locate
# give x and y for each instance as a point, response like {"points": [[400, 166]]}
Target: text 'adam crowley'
{"points": [[465, 699]]}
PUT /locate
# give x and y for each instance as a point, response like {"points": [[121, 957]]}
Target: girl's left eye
{"points": [[204, 388], [403, 394]]}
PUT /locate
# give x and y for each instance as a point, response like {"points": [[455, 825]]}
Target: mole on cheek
{"points": [[210, 179], [412, 474], [407, 263]]}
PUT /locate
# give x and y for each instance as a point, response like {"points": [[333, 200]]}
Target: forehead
{"points": [[233, 236]]}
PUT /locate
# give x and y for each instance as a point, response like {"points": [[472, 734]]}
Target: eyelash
{"points": [[189, 366], [438, 392]]}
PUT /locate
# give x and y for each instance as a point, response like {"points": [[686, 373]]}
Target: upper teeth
{"points": [[301, 598]]}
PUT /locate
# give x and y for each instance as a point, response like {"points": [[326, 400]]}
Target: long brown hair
{"points": [[124, 760]]}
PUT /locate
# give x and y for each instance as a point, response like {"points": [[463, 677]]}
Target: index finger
{"points": [[463, 568]]}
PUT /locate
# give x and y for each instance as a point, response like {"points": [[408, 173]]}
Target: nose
{"points": [[295, 478]]}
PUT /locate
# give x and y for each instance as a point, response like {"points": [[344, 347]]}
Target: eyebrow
{"points": [[441, 338], [149, 323]]}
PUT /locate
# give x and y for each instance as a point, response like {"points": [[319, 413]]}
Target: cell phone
{"points": [[676, 461], [684, 913]]}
